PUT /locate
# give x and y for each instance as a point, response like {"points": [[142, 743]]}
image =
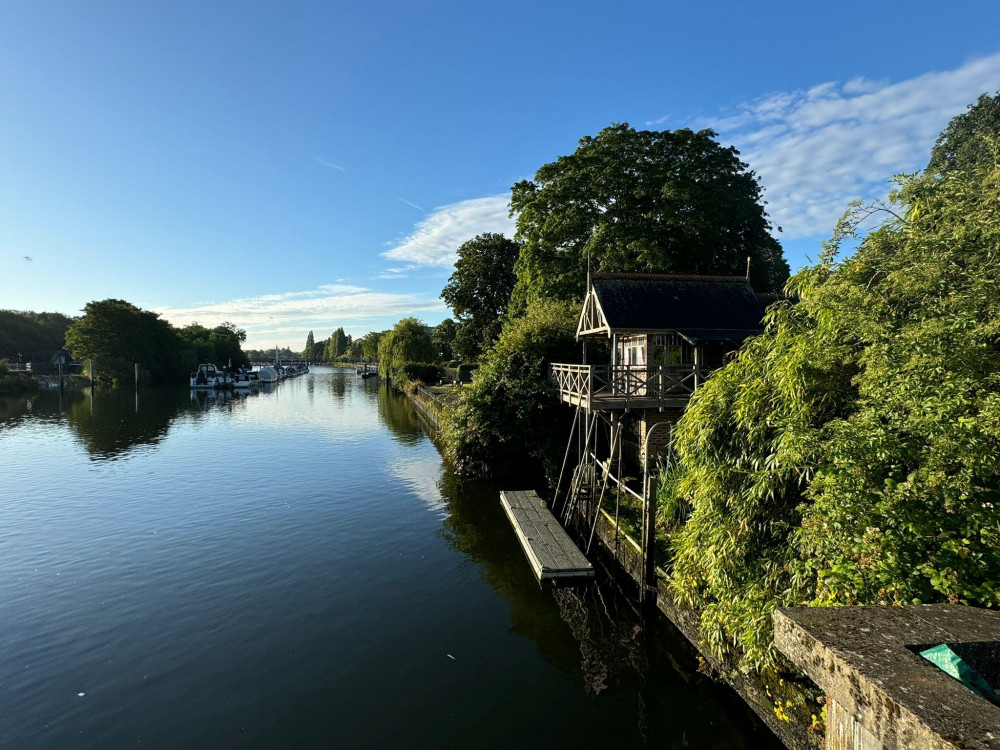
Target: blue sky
{"points": [[302, 166]]}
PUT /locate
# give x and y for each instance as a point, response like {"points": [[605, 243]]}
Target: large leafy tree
{"points": [[337, 344], [356, 350], [479, 290], [220, 345], [115, 334], [970, 139], [310, 345], [642, 201], [370, 344], [848, 455]]}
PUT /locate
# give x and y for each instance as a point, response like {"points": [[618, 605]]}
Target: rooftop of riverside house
{"points": [[705, 308]]}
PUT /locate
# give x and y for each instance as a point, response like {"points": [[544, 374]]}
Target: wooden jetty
{"points": [[552, 554]]}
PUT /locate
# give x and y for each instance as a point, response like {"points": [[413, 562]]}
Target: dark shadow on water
{"points": [[626, 663], [108, 423], [338, 384]]}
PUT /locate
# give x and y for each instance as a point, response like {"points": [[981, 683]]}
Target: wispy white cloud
{"points": [[286, 318], [409, 203], [400, 272], [435, 239], [658, 120], [817, 149], [329, 164]]}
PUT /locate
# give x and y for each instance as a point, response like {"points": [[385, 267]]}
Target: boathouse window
{"points": [[633, 350], [669, 349]]}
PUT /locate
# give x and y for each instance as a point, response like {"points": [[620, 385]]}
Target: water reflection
{"points": [[42, 406], [293, 618], [338, 386], [108, 424], [398, 415]]}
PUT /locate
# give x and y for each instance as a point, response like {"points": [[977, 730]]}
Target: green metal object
{"points": [[949, 662]]}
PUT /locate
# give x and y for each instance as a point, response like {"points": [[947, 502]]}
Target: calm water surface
{"points": [[297, 568]]}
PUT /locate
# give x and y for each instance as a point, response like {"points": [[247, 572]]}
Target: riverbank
{"points": [[784, 706]]}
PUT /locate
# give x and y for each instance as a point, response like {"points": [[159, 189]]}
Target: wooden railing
{"points": [[585, 384]]}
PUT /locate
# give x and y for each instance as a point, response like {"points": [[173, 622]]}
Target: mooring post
{"points": [[137, 376], [60, 376], [648, 572], [91, 373]]}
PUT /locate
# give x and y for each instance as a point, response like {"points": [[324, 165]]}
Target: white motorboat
{"points": [[245, 379], [209, 376]]}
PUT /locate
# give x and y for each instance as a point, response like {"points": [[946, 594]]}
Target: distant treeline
{"points": [[31, 334]]}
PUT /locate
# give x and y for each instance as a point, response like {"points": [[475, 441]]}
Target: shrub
{"points": [[417, 371], [511, 411]]}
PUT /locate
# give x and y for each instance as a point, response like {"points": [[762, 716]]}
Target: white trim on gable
{"points": [[592, 319]]}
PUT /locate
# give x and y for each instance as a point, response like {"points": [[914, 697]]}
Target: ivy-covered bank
{"points": [[848, 455]]}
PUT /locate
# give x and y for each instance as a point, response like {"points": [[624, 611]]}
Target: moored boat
{"points": [[245, 379], [209, 376]]}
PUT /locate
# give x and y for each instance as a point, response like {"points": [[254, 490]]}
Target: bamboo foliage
{"points": [[849, 455]]}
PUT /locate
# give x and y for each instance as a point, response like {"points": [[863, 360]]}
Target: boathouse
{"points": [[661, 335], [649, 342], [657, 338]]}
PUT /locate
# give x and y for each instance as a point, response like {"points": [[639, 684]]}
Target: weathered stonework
{"points": [[881, 693]]}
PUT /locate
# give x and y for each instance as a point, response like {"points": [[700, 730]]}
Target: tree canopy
{"points": [[355, 350], [971, 139], [370, 344], [337, 344], [221, 345], [848, 455], [408, 341], [479, 290], [642, 201], [115, 334]]}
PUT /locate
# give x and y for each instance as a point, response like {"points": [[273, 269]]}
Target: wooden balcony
{"points": [[626, 387]]}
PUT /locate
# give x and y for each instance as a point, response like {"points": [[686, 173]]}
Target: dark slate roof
{"points": [[710, 308], [701, 335]]}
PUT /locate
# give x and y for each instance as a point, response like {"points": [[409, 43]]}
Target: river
{"points": [[298, 568]]}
